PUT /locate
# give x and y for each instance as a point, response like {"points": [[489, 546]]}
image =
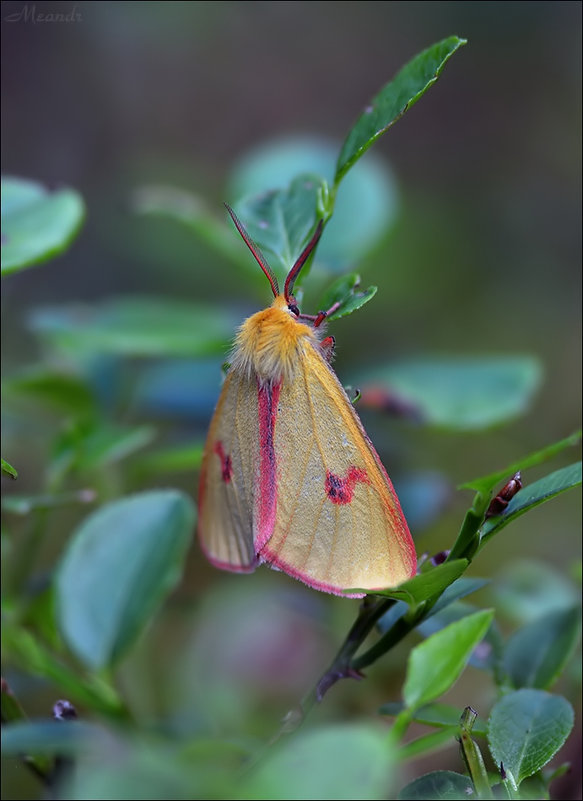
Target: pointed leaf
{"points": [[410, 83], [532, 495], [487, 483], [8, 470], [438, 715], [526, 729], [281, 222], [536, 655], [458, 393], [484, 655], [347, 293], [425, 585], [437, 663], [121, 563], [37, 224]]}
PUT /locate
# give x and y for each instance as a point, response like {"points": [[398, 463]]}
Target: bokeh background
{"points": [[483, 256]]}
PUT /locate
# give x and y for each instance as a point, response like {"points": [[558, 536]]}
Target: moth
{"points": [[289, 477]]}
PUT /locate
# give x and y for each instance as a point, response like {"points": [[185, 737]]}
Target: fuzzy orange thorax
{"points": [[270, 343]]}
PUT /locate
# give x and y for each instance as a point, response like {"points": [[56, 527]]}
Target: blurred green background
{"points": [[482, 256]]}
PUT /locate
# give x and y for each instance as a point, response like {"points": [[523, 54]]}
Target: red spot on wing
{"points": [[340, 490], [226, 465]]}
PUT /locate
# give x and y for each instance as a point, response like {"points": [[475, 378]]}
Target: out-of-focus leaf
{"points": [[8, 470], [282, 221], [48, 387], [437, 663], [459, 589], [25, 504], [536, 655], [532, 495], [189, 209], [439, 785], [136, 327], [487, 483], [410, 83], [456, 393], [120, 565], [49, 737], [526, 729], [21, 648], [365, 206], [152, 768], [526, 590], [37, 224], [178, 459], [341, 762]]}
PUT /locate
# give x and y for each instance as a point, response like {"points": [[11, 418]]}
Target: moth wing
{"points": [[338, 523], [231, 454]]}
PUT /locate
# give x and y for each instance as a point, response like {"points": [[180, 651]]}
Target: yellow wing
{"points": [[228, 475], [338, 522]]}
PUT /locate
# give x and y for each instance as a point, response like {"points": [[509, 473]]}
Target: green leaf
{"points": [[526, 729], [37, 225], [136, 327], [178, 459], [487, 483], [459, 589], [189, 209], [532, 495], [12, 711], [458, 393], [8, 470], [394, 99], [347, 293], [436, 664], [20, 647], [429, 743], [341, 762], [425, 585], [152, 768], [437, 715], [536, 655], [64, 392], [49, 737], [120, 565], [483, 656], [25, 504], [281, 222], [365, 207], [527, 589], [441, 785]]}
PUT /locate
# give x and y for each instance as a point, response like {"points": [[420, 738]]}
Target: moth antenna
{"points": [[254, 248], [295, 270]]}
